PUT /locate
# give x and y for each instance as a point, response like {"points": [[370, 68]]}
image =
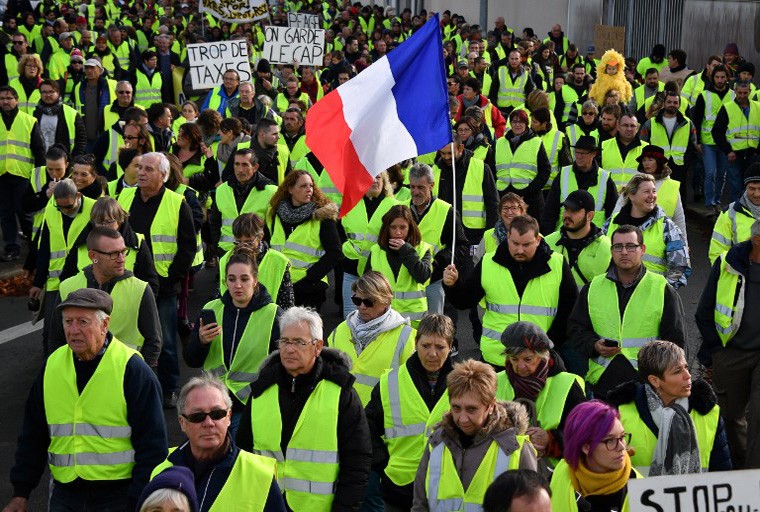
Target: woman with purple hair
{"points": [[594, 472]]}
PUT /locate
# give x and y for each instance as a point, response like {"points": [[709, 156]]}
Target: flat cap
{"points": [[88, 298]]}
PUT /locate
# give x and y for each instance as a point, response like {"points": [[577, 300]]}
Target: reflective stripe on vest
{"points": [[473, 207], [147, 89], [407, 423], [639, 324], [272, 269], [511, 93], [303, 246], [675, 147], [61, 244], [431, 225], [308, 472], [550, 402], [408, 295], [568, 183], [729, 301], [713, 104], [89, 432], [163, 227], [655, 257], [362, 231], [742, 132], [15, 148], [593, 260], [388, 351], [256, 202], [249, 351], [127, 296], [538, 303], [517, 169], [620, 170]]}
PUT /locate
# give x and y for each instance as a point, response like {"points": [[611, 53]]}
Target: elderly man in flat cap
{"points": [[94, 415]]}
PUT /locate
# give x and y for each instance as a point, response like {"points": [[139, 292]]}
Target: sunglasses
{"points": [[367, 302], [200, 417]]}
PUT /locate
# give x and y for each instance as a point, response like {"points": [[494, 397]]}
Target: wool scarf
{"points": [[588, 483]]}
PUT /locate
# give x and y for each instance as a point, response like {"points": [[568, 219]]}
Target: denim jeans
{"points": [[436, 296], [110, 499], [373, 497], [168, 361], [715, 164], [12, 189], [735, 173], [348, 306]]}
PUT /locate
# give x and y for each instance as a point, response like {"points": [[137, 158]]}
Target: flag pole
{"points": [[454, 202]]}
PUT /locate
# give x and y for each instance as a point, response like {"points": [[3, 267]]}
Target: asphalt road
{"points": [[22, 356]]}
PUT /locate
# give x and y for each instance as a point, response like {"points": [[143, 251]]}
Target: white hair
{"points": [[301, 315], [166, 496], [205, 380], [163, 163]]}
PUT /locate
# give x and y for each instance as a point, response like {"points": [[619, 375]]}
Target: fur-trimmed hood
{"points": [[327, 212], [511, 417]]}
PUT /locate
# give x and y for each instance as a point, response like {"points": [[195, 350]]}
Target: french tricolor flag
{"points": [[395, 109]]}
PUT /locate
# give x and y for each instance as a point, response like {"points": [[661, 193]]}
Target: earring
{"points": [[94, 261]]}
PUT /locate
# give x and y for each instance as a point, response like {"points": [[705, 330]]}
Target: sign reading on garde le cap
{"points": [[209, 61], [286, 45], [727, 491]]}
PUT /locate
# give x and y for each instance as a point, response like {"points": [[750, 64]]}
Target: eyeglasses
{"points": [[200, 417], [589, 113], [452, 83], [66, 207], [613, 442], [367, 302], [295, 343], [19, 42], [115, 254], [123, 92], [104, 223], [131, 137], [510, 209], [627, 247]]}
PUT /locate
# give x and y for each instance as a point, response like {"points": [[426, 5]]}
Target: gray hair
{"points": [[204, 381], [125, 82], [166, 496], [754, 230], [302, 315], [742, 83], [163, 163], [590, 105], [655, 357], [101, 315], [515, 351], [419, 171], [65, 189], [241, 84]]}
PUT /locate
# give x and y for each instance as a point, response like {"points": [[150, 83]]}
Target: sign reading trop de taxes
{"points": [[209, 61], [725, 491], [288, 45]]}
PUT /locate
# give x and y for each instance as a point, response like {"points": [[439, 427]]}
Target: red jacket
{"points": [[497, 122]]}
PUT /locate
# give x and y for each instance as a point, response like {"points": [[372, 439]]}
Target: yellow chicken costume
{"points": [[610, 75]]}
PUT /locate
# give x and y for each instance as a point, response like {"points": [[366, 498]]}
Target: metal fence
{"points": [[647, 23]]}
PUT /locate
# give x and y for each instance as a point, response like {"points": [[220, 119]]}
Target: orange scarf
{"points": [[587, 483]]}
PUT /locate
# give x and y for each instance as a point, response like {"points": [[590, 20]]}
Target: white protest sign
{"points": [[725, 491], [301, 20], [209, 61], [285, 45], [235, 11]]}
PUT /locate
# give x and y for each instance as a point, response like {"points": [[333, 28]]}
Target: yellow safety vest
{"points": [[147, 89], [552, 141], [731, 228], [163, 228], [668, 195], [742, 132], [83, 258], [282, 101], [473, 204], [593, 260], [362, 231], [570, 97], [15, 150], [511, 92], [444, 488], [620, 170], [655, 257], [564, 496], [692, 88], [568, 183], [308, 470], [407, 423], [504, 306], [127, 295], [250, 351], [60, 244], [640, 91], [729, 298], [517, 169], [115, 141], [90, 437], [490, 240], [574, 133], [242, 490], [271, 271], [26, 104], [408, 295], [283, 156], [639, 324], [389, 350], [713, 104], [431, 226], [70, 116], [302, 247], [256, 202], [674, 147], [322, 180], [644, 440], [11, 66], [550, 402], [300, 149], [122, 54]]}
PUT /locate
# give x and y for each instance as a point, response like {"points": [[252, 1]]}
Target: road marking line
{"points": [[18, 331]]}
